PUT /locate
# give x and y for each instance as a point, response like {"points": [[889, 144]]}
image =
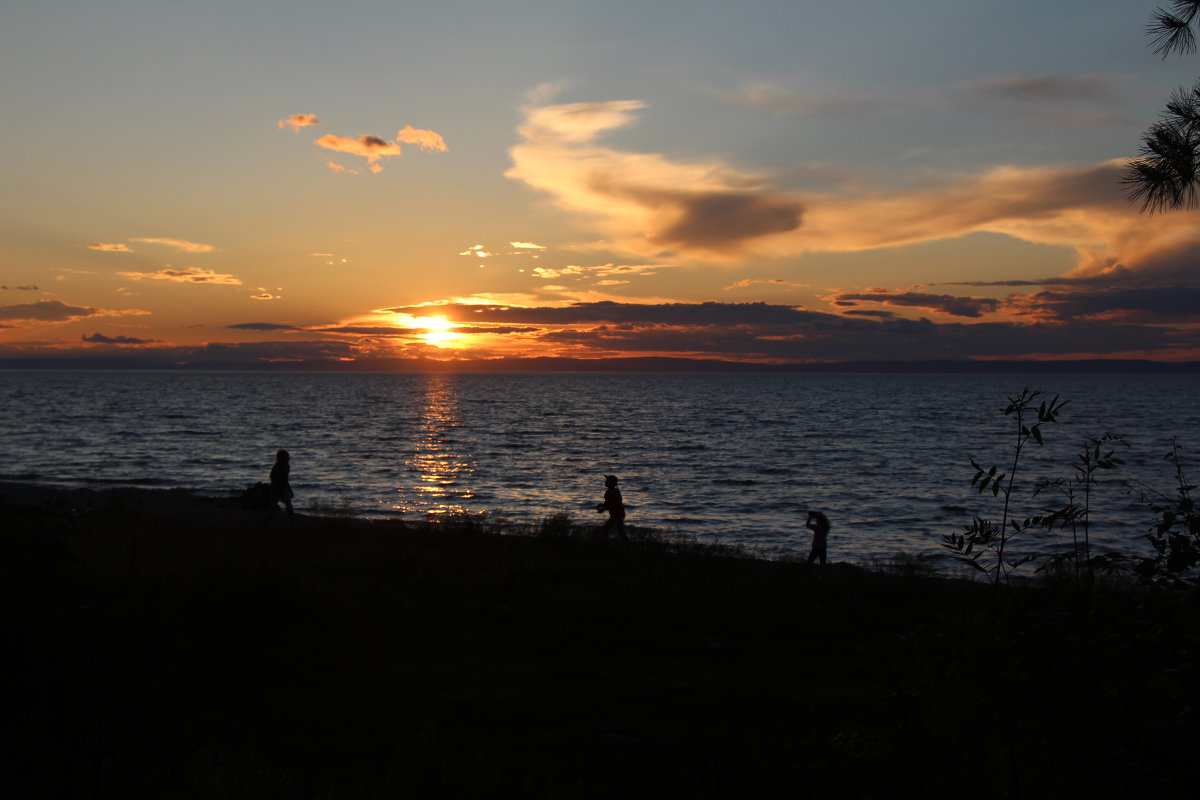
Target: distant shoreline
{"points": [[1100, 366]]}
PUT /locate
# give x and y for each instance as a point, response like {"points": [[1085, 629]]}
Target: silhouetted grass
{"points": [[191, 652]]}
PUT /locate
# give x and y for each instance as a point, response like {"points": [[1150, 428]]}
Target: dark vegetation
{"points": [[160, 646], [1166, 173], [981, 544]]}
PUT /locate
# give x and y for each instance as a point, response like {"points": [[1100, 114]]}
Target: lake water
{"points": [[731, 458]]}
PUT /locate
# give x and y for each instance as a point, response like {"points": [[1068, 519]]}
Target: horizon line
{"points": [[633, 364]]}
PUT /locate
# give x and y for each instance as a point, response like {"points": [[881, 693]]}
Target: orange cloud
{"points": [[298, 121], [747, 282], [548, 273], [372, 148], [426, 140], [648, 203], [1081, 208], [185, 275], [578, 272], [105, 247], [179, 244]]}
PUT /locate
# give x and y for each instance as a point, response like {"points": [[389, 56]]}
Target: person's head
{"points": [[816, 519], [282, 456], [610, 481]]}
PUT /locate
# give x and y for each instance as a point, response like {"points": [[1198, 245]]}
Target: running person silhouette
{"points": [[614, 506]]}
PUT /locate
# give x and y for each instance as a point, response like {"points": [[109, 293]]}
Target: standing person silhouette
{"points": [[818, 523], [614, 506], [281, 490]]}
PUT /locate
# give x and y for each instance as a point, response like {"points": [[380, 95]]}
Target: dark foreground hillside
{"points": [[159, 646]]}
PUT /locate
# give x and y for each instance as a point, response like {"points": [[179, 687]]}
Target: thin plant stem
{"points": [[1007, 495]]}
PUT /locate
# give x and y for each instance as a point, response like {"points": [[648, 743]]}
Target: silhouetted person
{"points": [[818, 523], [281, 490], [614, 506]]}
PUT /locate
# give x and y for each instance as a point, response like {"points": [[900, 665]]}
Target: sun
{"points": [[440, 330]]}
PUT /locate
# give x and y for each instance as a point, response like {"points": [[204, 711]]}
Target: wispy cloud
{"points": [[298, 121], [331, 258], [426, 140], [58, 311], [647, 203], [106, 247], [178, 244], [770, 98], [373, 148], [1163, 287], [1080, 208], [748, 282], [46, 311], [549, 273], [262, 326], [184, 275], [803, 99], [99, 338], [952, 305], [476, 250], [1095, 88], [599, 271]]}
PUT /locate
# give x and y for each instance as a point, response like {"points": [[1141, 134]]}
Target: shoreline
{"points": [[235, 505]]}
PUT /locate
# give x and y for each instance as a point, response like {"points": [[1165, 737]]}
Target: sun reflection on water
{"points": [[443, 470]]}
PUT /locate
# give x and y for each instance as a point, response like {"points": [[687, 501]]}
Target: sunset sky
{"points": [[784, 181]]}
